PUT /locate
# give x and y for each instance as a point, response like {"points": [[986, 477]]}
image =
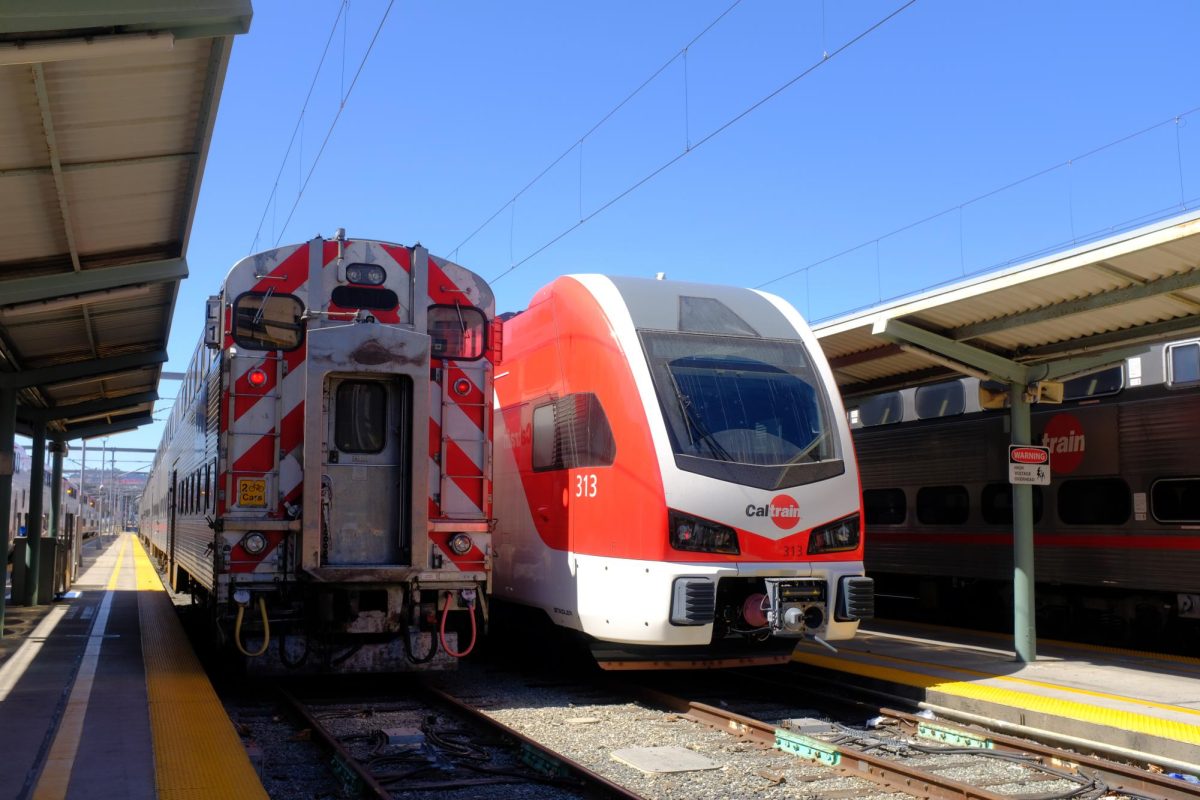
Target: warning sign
{"points": [[252, 492], [1029, 464]]}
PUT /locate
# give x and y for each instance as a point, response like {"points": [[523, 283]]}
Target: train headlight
{"points": [[366, 274], [842, 534], [460, 543], [254, 543], [701, 535]]}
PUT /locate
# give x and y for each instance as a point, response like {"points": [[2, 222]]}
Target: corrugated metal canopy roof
{"points": [[106, 113], [1133, 288]]}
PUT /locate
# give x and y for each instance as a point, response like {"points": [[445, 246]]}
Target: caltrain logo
{"points": [[1064, 437], [783, 510]]}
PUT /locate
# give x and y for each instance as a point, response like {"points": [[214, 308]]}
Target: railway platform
{"points": [[1139, 706], [101, 695]]}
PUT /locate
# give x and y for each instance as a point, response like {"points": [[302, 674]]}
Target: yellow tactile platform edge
{"points": [[1069, 709], [197, 753]]}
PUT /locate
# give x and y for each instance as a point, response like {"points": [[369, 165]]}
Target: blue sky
{"points": [[460, 105]]}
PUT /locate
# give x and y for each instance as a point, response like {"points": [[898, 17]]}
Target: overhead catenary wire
{"points": [[1175, 119], [271, 197], [343, 99], [578, 143], [825, 59]]}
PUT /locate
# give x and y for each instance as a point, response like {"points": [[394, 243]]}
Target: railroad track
{"points": [[419, 741]]}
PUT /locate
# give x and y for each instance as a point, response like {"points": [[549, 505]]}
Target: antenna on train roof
{"points": [[658, 276]]}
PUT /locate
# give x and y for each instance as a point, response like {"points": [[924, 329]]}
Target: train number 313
{"points": [[585, 485]]}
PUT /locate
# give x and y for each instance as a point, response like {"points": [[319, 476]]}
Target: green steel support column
{"points": [[58, 449], [8, 433], [1024, 624], [33, 528]]}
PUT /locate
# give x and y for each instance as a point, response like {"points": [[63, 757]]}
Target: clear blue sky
{"points": [[460, 105]]}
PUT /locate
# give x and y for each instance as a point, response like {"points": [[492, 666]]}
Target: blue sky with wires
{"points": [[789, 145]]}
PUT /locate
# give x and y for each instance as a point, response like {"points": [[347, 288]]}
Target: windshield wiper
{"points": [[697, 429]]}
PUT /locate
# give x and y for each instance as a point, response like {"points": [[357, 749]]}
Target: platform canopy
{"points": [[106, 114], [1046, 318]]}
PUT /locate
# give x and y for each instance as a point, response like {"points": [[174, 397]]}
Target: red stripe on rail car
{"points": [[464, 472], [442, 290], [291, 430], [260, 457], [400, 254], [288, 275]]}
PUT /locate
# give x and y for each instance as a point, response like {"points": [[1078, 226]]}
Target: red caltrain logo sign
{"points": [[784, 511], [1064, 438]]}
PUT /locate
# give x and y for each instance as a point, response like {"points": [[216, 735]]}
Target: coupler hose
{"points": [[468, 595], [243, 600]]}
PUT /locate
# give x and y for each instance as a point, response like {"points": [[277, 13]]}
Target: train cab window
{"points": [[1096, 384], [1094, 501], [940, 400], [457, 332], [1183, 363], [885, 506], [360, 424], [943, 505], [268, 321], [996, 504], [881, 409], [1176, 500], [571, 432]]}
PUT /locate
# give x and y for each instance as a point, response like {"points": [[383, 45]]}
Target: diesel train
{"points": [[324, 483], [676, 485], [1117, 531]]}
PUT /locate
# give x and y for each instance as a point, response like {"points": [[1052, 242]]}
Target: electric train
{"points": [[1116, 533], [675, 480], [324, 483]]}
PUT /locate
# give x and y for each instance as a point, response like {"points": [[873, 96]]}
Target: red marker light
{"points": [[257, 378]]}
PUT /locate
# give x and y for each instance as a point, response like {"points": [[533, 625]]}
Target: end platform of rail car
{"points": [[101, 694], [1136, 706]]}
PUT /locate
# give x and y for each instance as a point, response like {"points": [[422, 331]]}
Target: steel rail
{"points": [[591, 780], [1118, 777], [343, 755], [892, 775]]}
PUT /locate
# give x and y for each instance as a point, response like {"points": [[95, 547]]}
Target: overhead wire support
{"points": [[825, 59]]}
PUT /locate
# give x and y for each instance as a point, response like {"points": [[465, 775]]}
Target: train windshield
{"points": [[745, 409]]}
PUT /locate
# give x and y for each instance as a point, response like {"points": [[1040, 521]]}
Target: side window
{"points": [[1106, 381], [1183, 364], [1096, 501], [457, 332], [881, 409], [361, 422], [1176, 500], [571, 432], [885, 506], [265, 321], [940, 400], [996, 504], [943, 505]]}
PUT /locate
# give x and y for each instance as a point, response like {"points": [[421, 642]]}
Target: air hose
{"points": [[237, 626], [469, 596]]}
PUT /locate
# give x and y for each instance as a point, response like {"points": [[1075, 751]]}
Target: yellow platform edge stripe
{"points": [[1081, 646], [1057, 707], [975, 673], [197, 752]]}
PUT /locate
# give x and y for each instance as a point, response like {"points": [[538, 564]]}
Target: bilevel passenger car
{"points": [[1117, 531], [676, 483], [80, 517], [324, 481]]}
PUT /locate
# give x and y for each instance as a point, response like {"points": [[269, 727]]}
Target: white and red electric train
{"points": [[675, 479], [324, 481]]}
